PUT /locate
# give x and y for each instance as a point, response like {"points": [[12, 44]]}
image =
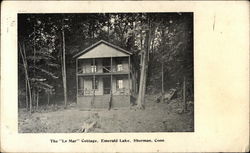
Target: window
{"points": [[95, 84], [83, 69], [119, 67], [119, 84], [93, 68]]}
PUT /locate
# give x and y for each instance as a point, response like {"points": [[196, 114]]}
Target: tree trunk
{"points": [[144, 82], [140, 94], [184, 94], [34, 70], [26, 94], [64, 70], [37, 100], [143, 77], [48, 98], [34, 98], [146, 66], [162, 82], [25, 65]]}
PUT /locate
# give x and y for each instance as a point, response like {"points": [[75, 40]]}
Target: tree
{"points": [[37, 57], [64, 67], [27, 81], [143, 75]]}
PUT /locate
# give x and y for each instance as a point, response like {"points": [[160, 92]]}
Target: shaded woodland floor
{"points": [[156, 117]]}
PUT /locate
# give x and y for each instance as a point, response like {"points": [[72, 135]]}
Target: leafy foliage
{"points": [[171, 43]]}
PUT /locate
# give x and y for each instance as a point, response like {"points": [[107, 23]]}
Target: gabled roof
{"points": [[98, 43]]}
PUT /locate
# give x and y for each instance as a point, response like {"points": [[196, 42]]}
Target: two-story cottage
{"points": [[105, 76]]}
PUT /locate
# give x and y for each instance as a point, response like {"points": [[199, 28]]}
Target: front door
{"points": [[106, 85]]}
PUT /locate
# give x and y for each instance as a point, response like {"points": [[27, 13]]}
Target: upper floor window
{"points": [[83, 69], [119, 65], [93, 66]]}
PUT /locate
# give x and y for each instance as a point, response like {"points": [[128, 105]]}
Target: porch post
{"points": [[111, 80], [93, 85], [111, 76], [77, 81], [94, 74]]}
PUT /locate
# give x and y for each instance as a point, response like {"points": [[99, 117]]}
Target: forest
{"points": [[161, 43]]}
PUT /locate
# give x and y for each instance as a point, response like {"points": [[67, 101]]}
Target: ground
{"points": [[156, 117]]}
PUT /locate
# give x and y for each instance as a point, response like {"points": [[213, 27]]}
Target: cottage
{"points": [[105, 76]]}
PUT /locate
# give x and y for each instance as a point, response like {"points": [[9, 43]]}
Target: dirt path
{"points": [[157, 117]]}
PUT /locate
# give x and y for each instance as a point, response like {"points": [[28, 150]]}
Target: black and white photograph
{"points": [[124, 76], [105, 72]]}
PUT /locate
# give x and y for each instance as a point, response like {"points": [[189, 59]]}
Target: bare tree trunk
{"points": [[140, 103], [184, 93], [144, 82], [34, 70], [162, 82], [25, 65], [37, 99], [48, 98], [148, 40], [34, 98], [26, 94], [143, 77], [142, 65], [144, 68], [64, 69]]}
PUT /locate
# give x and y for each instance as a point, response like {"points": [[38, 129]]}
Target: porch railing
{"points": [[101, 69], [85, 92]]}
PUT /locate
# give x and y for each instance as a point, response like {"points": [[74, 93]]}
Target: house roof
{"points": [[101, 42]]}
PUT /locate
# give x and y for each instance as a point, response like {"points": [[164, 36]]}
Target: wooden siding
{"points": [[101, 51], [102, 102]]}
